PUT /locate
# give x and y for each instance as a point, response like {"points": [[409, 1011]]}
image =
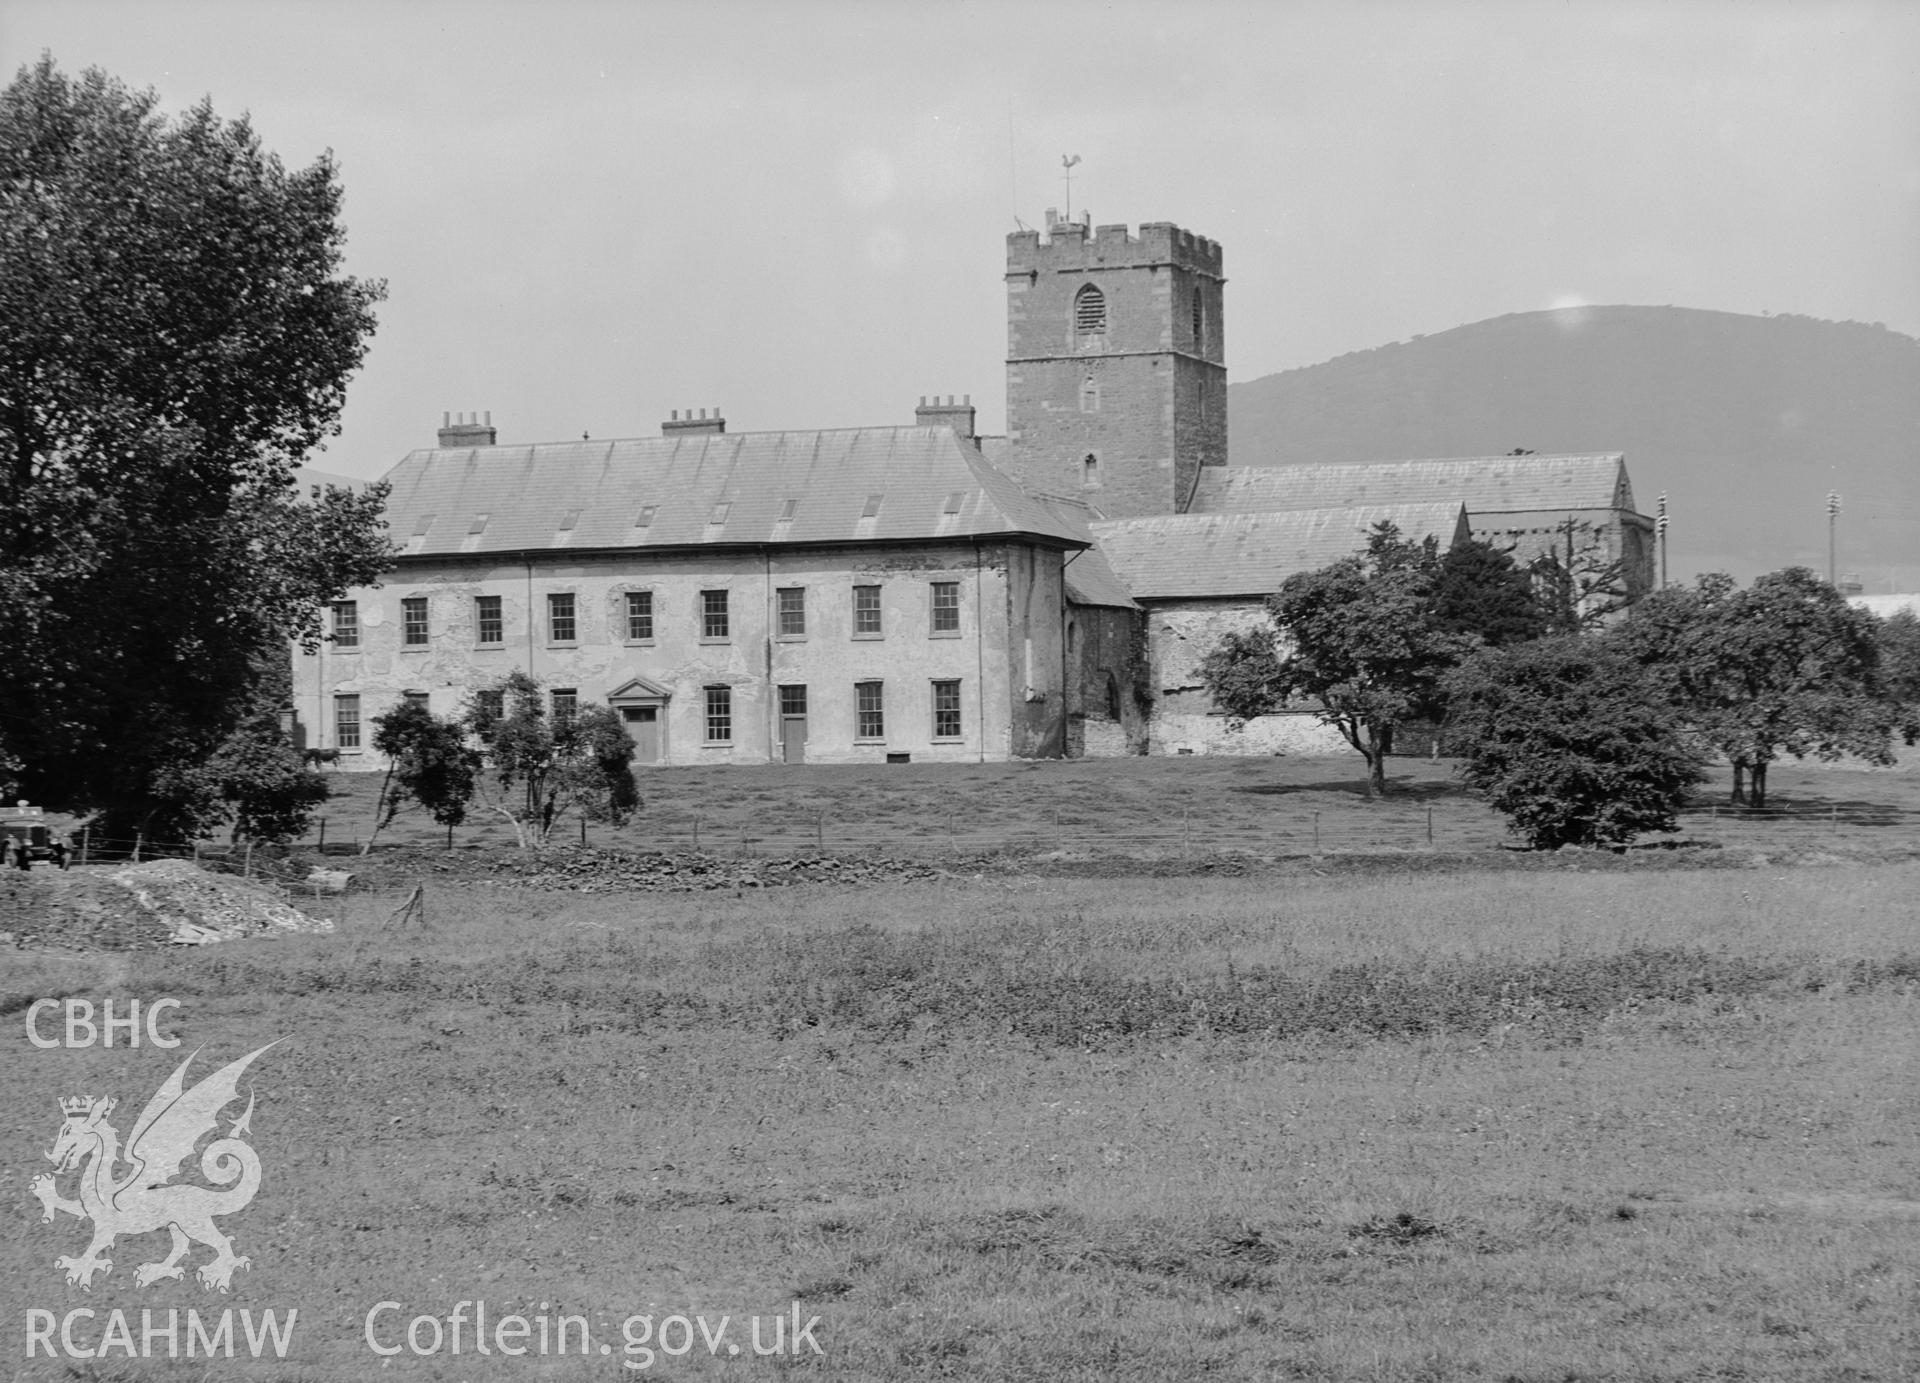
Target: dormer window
{"points": [[1090, 311]]}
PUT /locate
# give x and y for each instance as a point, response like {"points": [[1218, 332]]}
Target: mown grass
{"points": [[1504, 1127], [1137, 807]]}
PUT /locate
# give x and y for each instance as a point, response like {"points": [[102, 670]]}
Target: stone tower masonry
{"points": [[1116, 374]]}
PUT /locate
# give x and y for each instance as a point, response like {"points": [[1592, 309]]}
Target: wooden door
{"points": [[643, 723]]}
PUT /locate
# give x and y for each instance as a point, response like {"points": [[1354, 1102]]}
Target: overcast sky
{"points": [[590, 214]]}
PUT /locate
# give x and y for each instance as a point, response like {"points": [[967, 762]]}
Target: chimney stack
{"points": [[464, 430], [690, 426], [958, 416]]}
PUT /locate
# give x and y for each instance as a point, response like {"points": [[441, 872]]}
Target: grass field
{"points": [[1517, 1127], [1156, 807]]}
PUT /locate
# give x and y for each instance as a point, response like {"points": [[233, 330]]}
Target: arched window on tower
{"points": [[1090, 470], [1090, 311], [1090, 395]]}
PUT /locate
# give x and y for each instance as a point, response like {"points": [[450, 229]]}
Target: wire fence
{"points": [[1451, 826]]}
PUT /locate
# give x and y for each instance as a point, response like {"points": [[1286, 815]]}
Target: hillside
{"points": [[1745, 422]]}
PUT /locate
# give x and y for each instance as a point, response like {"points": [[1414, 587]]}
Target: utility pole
{"points": [[1833, 516], [1660, 527]]}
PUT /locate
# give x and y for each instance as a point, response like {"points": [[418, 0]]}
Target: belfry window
{"points": [[1199, 322], [1090, 311]]}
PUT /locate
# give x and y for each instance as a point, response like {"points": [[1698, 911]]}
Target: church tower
{"points": [[1116, 374]]}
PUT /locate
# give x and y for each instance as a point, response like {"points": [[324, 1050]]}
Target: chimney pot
{"points": [[959, 417], [465, 430], [683, 423]]}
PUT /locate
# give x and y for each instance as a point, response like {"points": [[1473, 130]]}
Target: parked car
{"points": [[25, 825]]}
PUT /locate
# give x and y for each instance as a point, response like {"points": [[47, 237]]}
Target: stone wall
{"points": [[1126, 414], [1105, 714]]}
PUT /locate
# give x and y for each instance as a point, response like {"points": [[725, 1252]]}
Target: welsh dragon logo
{"points": [[141, 1200]]}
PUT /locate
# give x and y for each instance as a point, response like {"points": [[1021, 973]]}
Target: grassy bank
{"points": [[1147, 808]]}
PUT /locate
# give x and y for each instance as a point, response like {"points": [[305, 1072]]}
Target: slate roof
{"points": [[1485, 484], [306, 477], [729, 488], [1090, 578], [1220, 555]]}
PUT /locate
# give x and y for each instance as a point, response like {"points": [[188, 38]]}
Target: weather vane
{"points": [[1067, 161]]}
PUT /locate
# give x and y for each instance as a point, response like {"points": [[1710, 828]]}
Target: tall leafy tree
{"points": [[1784, 668], [1358, 638], [176, 334], [1899, 637], [1566, 738], [1482, 591]]}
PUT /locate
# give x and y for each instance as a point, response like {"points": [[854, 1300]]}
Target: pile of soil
{"points": [[141, 906]]}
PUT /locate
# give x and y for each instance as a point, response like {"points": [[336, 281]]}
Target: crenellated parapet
{"points": [[1077, 246]]}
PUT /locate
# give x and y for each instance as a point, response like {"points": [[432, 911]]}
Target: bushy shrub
{"points": [[1569, 742]]}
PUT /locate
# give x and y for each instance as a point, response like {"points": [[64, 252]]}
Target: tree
{"points": [[1481, 591], [1899, 639], [175, 336], [1577, 583], [1783, 667], [429, 762], [1362, 642], [1565, 738], [541, 769], [255, 781]]}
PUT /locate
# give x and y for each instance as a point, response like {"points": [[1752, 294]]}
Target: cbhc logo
{"points": [[82, 1031]]}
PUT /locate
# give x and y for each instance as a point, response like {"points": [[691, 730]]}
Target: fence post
{"points": [[696, 833], [1429, 825], [139, 839], [323, 839], [246, 871], [583, 834], [196, 854]]}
